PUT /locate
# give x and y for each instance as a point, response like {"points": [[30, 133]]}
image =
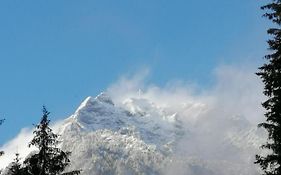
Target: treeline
{"points": [[49, 159]]}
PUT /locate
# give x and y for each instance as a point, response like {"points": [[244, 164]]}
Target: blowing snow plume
{"points": [[221, 136], [140, 128]]}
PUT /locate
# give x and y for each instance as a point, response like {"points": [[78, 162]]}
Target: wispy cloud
{"points": [[237, 91], [17, 145], [214, 116]]}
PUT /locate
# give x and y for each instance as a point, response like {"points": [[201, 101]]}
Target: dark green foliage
{"points": [[270, 74], [16, 168], [49, 160]]}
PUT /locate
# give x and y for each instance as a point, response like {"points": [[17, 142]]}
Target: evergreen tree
{"points": [[16, 168], [50, 160], [270, 74]]}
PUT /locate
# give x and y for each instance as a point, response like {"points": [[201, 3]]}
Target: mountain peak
{"points": [[104, 97], [90, 101], [139, 135], [84, 103]]}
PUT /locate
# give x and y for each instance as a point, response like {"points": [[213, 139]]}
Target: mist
{"points": [[220, 121], [213, 119], [235, 91]]}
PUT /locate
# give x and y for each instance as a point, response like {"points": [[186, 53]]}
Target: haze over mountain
{"points": [[125, 130]]}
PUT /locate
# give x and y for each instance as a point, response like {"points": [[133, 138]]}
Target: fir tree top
{"points": [[50, 160]]}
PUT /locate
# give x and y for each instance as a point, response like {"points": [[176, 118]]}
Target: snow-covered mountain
{"points": [[141, 137]]}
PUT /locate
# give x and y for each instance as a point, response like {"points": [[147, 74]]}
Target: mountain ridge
{"points": [[139, 136], [139, 124]]}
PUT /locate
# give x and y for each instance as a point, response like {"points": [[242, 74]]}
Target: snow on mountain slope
{"points": [[135, 139], [140, 137], [151, 124]]}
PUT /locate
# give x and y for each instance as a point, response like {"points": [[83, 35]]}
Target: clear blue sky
{"points": [[57, 52]]}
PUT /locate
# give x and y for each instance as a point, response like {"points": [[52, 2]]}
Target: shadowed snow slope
{"points": [[140, 137]]}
